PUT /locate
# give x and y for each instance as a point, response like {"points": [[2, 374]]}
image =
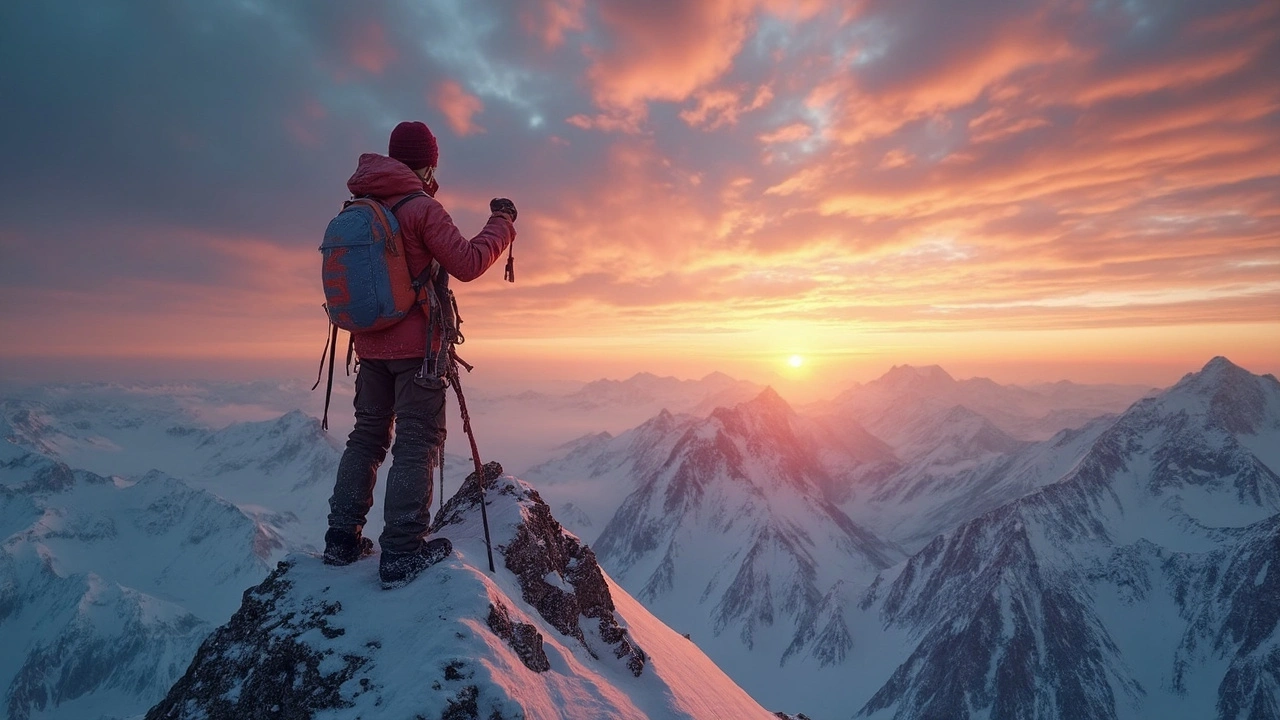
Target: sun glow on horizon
{"points": [[795, 361]]}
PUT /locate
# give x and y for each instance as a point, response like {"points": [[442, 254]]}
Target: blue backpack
{"points": [[365, 272], [367, 287]]}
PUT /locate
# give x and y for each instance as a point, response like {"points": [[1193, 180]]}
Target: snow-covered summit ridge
{"points": [[1228, 396], [546, 636], [1137, 585]]}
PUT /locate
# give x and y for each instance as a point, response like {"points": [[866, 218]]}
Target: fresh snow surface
{"points": [[439, 620]]}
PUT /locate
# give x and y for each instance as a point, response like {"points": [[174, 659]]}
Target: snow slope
{"points": [[107, 586], [547, 636], [111, 576]]}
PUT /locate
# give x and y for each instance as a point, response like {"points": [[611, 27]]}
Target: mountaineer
{"points": [[398, 379]]}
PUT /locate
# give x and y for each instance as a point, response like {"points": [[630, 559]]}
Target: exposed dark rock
{"points": [[53, 477], [542, 548], [279, 679], [523, 638], [464, 705]]}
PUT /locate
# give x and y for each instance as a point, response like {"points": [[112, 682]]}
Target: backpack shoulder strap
{"points": [[428, 274], [406, 199]]}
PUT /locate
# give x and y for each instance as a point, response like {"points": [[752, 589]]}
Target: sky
{"points": [[1024, 190]]}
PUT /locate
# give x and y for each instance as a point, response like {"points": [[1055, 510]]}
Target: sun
{"points": [[795, 361]]}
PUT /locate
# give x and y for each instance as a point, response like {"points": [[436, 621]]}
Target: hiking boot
{"points": [[342, 547], [397, 569]]}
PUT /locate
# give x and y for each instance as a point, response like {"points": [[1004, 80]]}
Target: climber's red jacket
{"points": [[429, 233]]}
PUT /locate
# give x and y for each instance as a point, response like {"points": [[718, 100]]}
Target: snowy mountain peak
{"points": [[768, 401], [1216, 374], [718, 378], [766, 418], [929, 376], [547, 635], [658, 424], [1228, 395]]}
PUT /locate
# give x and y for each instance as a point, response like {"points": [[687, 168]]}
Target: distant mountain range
{"points": [[918, 546], [891, 404], [1190, 471]]}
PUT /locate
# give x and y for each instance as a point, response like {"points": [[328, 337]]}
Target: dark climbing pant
{"points": [[385, 395]]}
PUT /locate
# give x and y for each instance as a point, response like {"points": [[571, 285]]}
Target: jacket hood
{"points": [[380, 176]]}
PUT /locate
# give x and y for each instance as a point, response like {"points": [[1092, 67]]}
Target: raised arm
{"points": [[465, 259]]}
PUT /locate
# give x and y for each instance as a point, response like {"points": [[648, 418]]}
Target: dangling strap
{"points": [[510, 274], [328, 392], [323, 353], [440, 456], [458, 339]]}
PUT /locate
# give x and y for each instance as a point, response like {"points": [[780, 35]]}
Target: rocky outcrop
{"points": [[521, 637], [313, 639], [558, 575], [279, 677]]}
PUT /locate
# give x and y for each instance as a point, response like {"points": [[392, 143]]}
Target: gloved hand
{"points": [[504, 207]]}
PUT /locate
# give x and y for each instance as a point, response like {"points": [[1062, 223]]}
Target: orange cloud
{"points": [[793, 132], [626, 120], [718, 108], [458, 107], [667, 51]]}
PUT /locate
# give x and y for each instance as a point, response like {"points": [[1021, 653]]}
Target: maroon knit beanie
{"points": [[413, 144]]}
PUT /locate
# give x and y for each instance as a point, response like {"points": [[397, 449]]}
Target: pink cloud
{"points": [[458, 107], [625, 120], [1017, 172], [551, 20], [369, 48]]}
